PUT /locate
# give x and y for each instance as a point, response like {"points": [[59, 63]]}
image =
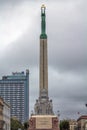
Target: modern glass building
{"points": [[15, 90]]}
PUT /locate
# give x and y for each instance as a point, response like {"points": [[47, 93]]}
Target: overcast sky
{"points": [[66, 22]]}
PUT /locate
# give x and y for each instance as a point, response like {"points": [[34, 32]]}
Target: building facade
{"points": [[72, 124], [1, 114], [4, 115], [14, 89], [82, 122]]}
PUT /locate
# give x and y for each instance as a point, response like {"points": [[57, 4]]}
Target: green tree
{"points": [[64, 125], [15, 124], [26, 125]]}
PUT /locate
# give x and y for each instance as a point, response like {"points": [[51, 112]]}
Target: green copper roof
{"points": [[43, 23]]}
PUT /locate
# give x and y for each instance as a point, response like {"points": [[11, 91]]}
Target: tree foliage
{"points": [[26, 125], [15, 124], [64, 125]]}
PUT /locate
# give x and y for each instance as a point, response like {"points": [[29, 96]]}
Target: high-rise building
{"points": [[15, 90]]}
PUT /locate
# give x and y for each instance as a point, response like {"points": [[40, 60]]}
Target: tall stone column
{"points": [[43, 57], [43, 105], [43, 67], [43, 118]]}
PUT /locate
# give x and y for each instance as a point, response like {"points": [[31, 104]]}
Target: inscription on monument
{"points": [[44, 123]]}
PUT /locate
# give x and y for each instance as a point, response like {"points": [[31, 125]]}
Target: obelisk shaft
{"points": [[43, 55], [43, 105], [43, 66]]}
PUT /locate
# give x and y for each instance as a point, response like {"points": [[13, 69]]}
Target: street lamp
{"points": [[58, 113], [31, 112]]}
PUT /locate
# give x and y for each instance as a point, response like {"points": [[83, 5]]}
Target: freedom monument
{"points": [[43, 118]]}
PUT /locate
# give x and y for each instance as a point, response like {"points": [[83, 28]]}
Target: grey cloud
{"points": [[68, 39], [66, 30], [69, 52]]}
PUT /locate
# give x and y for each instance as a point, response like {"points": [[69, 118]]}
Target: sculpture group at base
{"points": [[43, 107]]}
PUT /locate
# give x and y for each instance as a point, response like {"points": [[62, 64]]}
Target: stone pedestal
{"points": [[43, 122]]}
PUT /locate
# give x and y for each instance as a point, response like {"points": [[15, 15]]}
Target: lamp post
{"points": [[58, 113], [32, 112]]}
